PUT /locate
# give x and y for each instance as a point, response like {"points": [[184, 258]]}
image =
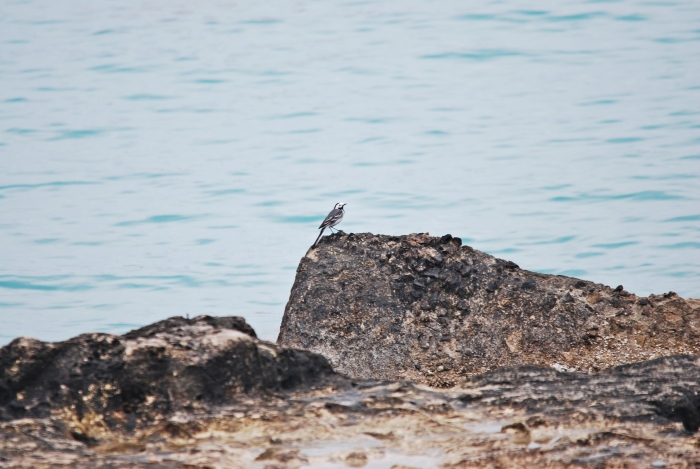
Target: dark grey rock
{"points": [[431, 310], [151, 372], [661, 390]]}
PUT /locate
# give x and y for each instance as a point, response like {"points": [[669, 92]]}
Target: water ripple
{"points": [[482, 54], [684, 218], [180, 163], [157, 219], [642, 196], [30, 283], [615, 245], [46, 184]]}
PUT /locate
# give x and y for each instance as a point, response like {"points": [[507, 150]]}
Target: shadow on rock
{"points": [[103, 382]]}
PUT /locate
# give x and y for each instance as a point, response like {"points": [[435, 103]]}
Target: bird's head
{"points": [[339, 205]]}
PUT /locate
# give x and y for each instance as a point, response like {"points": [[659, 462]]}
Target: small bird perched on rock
{"points": [[333, 218]]}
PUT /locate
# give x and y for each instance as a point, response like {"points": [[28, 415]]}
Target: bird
{"points": [[334, 217]]}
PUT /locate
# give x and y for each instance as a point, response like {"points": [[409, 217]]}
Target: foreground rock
{"points": [[433, 311], [205, 393], [100, 383]]}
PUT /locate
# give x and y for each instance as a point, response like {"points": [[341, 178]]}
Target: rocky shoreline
{"points": [[599, 378]]}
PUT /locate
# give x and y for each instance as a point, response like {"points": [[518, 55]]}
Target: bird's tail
{"points": [[319, 237]]}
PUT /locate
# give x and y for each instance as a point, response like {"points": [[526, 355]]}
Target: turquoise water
{"points": [[166, 157]]}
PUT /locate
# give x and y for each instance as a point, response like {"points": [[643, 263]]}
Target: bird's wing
{"points": [[335, 215]]}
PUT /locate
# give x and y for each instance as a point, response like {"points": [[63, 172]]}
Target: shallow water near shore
{"points": [[169, 158]]}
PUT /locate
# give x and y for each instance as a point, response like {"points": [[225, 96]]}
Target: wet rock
{"points": [[105, 382], [434, 302]]}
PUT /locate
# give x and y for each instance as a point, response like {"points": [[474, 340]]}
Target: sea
{"points": [[169, 158]]}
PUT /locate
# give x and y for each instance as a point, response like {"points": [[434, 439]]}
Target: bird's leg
{"points": [[331, 228]]}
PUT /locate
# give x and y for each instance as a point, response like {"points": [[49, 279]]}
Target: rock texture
{"points": [[431, 310], [205, 393], [665, 389], [100, 383]]}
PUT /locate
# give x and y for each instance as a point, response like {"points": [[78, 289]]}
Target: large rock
{"points": [[431, 310], [634, 416], [203, 393], [110, 382]]}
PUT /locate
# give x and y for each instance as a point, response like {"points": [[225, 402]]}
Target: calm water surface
{"points": [[168, 157]]}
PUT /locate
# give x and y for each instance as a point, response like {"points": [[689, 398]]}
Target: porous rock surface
{"points": [[660, 390], [434, 311], [123, 382], [205, 393], [635, 416]]}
